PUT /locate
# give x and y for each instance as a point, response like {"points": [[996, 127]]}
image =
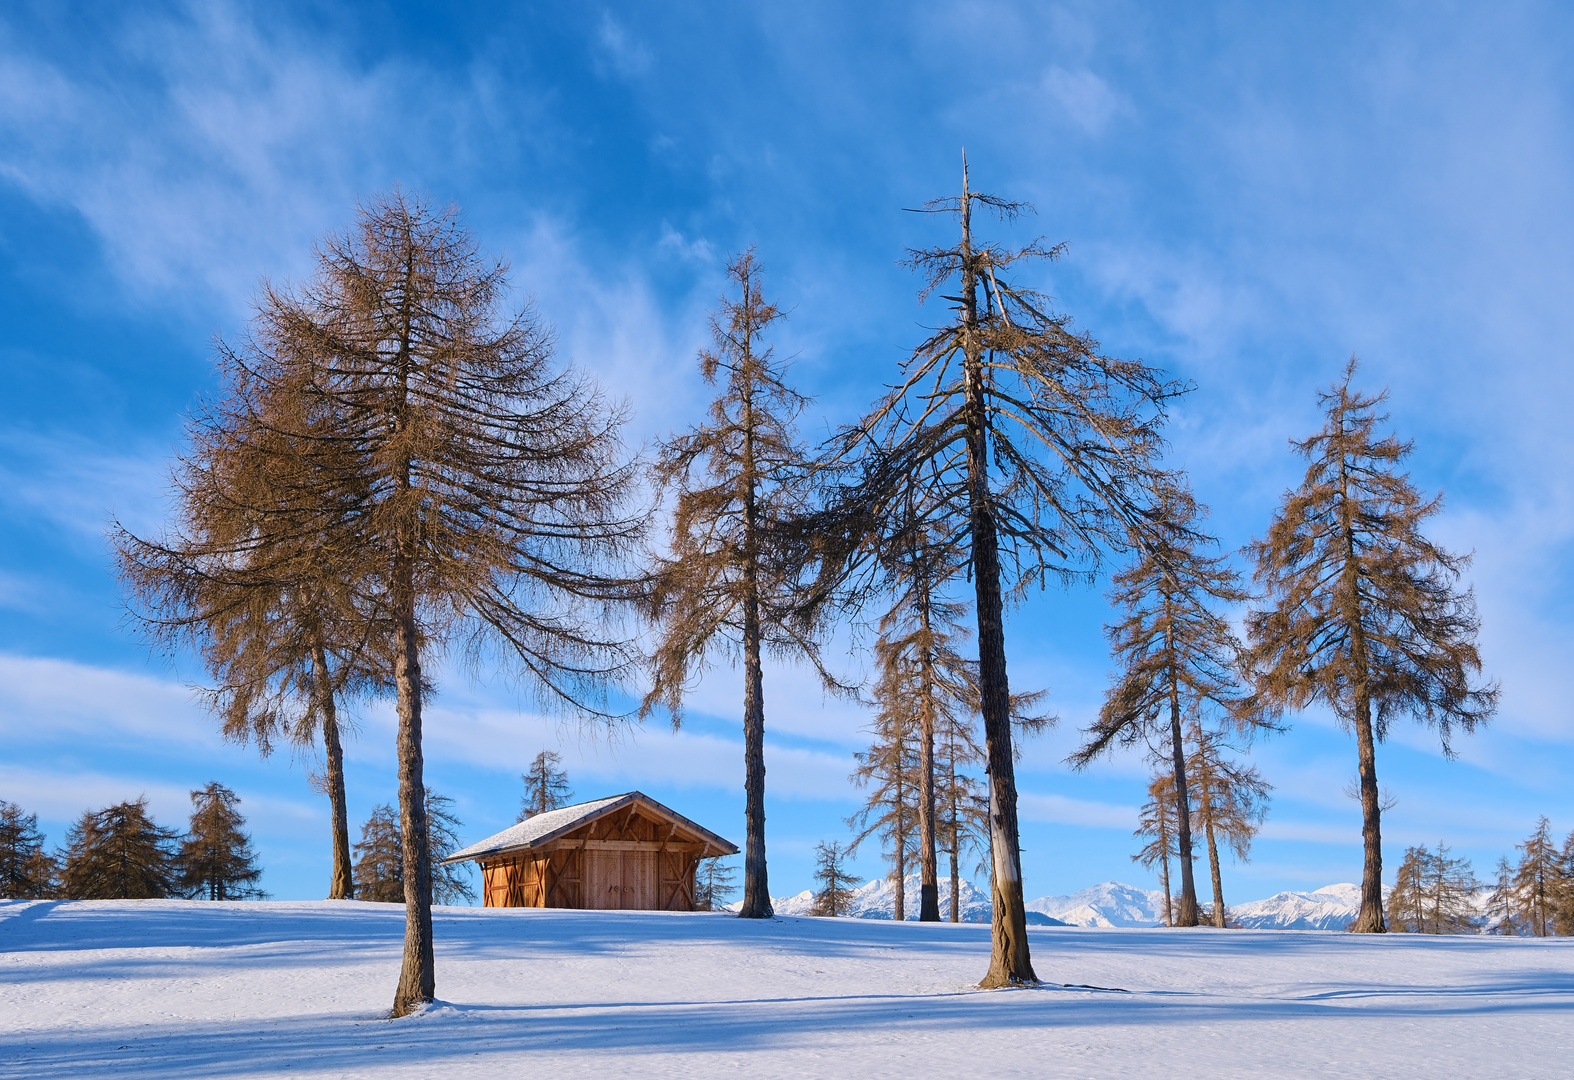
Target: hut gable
{"points": [[628, 851]]}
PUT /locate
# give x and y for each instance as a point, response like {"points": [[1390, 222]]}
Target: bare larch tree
{"points": [[546, 785], [723, 581], [1232, 800], [248, 575], [835, 894], [890, 770], [1157, 822], [477, 492], [1024, 448], [1176, 653], [1363, 612]]}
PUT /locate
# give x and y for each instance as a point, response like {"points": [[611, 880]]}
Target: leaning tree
{"points": [[1176, 654], [724, 584], [475, 492], [1363, 614], [1025, 447]]}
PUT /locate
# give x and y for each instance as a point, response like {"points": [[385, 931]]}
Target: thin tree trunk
{"points": [[1218, 881], [1187, 915], [1164, 879], [953, 851], [899, 910], [756, 886], [342, 887], [1010, 962], [928, 871]]}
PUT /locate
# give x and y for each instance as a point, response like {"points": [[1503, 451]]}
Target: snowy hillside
{"points": [[186, 989]]}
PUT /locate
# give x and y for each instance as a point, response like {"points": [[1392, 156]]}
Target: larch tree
{"points": [[1176, 654], [380, 862], [27, 871], [379, 858], [961, 799], [476, 491], [1540, 882], [249, 577], [546, 785], [890, 770], [119, 853], [216, 858], [1231, 799], [1158, 823], [1434, 893], [835, 895], [1502, 909], [1024, 448], [723, 582], [714, 883], [1363, 613]]}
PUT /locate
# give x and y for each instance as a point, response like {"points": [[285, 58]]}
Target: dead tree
{"points": [[1364, 615], [472, 493], [1176, 654], [724, 582], [1022, 446], [546, 785]]}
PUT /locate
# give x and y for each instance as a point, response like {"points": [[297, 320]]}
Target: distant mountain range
{"points": [[1109, 904]]}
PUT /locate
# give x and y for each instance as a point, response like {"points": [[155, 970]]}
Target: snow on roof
{"points": [[552, 824]]}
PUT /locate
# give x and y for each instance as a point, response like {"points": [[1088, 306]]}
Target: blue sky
{"points": [[1250, 193]]}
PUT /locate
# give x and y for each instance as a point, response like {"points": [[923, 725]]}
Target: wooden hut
{"points": [[626, 852]]}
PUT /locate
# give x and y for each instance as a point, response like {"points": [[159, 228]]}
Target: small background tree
{"points": [[1157, 823], [216, 859], [835, 893], [119, 853], [890, 770], [714, 883], [1231, 801], [546, 785], [379, 867], [27, 871], [379, 858], [1434, 893]]}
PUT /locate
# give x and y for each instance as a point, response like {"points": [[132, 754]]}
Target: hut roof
{"points": [[544, 828]]}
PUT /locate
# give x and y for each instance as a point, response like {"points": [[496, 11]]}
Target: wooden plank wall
{"points": [[662, 877]]}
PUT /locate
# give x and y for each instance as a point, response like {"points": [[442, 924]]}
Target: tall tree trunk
{"points": [[1010, 963], [1187, 915], [417, 976], [1218, 881], [928, 874], [899, 909], [342, 887], [1370, 918], [418, 972]]}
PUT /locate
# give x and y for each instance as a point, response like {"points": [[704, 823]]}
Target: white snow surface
{"points": [[185, 989]]}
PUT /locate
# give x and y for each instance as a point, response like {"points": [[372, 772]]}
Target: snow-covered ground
{"points": [[176, 989]]}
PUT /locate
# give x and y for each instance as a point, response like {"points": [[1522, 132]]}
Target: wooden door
{"points": [[602, 874], [639, 880]]}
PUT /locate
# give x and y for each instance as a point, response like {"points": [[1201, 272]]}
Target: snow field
{"points": [[193, 989]]}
